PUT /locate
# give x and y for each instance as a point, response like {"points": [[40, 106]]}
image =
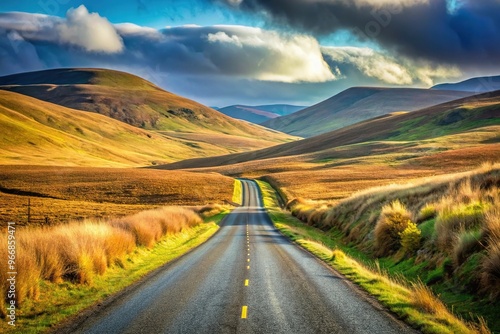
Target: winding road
{"points": [[247, 278]]}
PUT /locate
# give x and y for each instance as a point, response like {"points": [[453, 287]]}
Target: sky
{"points": [[223, 52]]}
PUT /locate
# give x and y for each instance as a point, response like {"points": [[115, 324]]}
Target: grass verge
{"points": [[412, 302], [237, 192], [57, 301]]}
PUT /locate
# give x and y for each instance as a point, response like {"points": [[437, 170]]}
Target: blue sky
{"points": [[222, 52]]}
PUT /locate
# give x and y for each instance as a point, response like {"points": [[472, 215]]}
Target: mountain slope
{"points": [[41, 133], [357, 104], [476, 85], [450, 118], [259, 114], [129, 99]]}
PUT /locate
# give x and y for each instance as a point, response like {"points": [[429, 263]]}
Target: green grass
{"points": [[414, 303], [445, 124], [237, 192], [58, 301]]}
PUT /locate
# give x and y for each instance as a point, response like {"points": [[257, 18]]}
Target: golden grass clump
{"points": [[78, 251], [149, 226], [393, 221], [425, 300], [490, 273], [458, 213], [27, 278], [428, 211]]}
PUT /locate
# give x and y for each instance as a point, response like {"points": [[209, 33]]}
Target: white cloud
{"points": [[89, 31], [269, 55], [388, 69]]}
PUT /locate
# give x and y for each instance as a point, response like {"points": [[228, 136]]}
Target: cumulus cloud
{"points": [[386, 68], [89, 31], [80, 28], [267, 55]]}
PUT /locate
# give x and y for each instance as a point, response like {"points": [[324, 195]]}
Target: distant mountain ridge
{"points": [[357, 104], [476, 85], [259, 114], [458, 116]]}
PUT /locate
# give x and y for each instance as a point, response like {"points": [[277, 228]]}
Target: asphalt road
{"points": [[247, 278]]}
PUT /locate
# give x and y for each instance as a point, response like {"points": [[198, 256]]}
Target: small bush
{"points": [[393, 220], [410, 238]]}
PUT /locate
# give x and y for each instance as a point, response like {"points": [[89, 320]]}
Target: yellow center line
{"points": [[244, 311], [248, 260], [246, 282], [248, 267]]}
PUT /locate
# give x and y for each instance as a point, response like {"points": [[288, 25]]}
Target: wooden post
{"points": [[29, 211]]}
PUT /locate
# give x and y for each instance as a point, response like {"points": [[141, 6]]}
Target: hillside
{"points": [[358, 104], [35, 132], [130, 99], [378, 134], [259, 114], [476, 85]]}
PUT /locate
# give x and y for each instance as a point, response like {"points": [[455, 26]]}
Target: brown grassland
{"points": [[74, 193]]}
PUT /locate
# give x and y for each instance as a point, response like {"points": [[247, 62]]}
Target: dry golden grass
{"points": [[77, 251], [67, 193], [466, 223]]}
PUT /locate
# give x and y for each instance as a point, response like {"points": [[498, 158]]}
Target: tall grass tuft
{"points": [[393, 221], [425, 300], [467, 243], [78, 251], [455, 217], [490, 274]]}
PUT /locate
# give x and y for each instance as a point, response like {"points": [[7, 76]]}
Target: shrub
{"points": [[410, 238], [393, 220]]}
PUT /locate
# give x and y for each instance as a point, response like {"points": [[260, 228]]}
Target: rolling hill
{"points": [[380, 133], [357, 104], [35, 132], [132, 100], [476, 85], [259, 114]]}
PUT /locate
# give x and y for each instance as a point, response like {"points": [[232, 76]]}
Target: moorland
{"points": [[411, 190]]}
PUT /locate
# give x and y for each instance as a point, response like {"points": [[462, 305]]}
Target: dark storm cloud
{"points": [[466, 33]]}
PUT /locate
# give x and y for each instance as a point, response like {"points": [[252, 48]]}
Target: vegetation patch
{"points": [[413, 301], [67, 268]]}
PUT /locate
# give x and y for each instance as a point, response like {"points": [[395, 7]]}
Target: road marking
{"points": [[248, 267], [246, 282], [248, 260], [244, 311]]}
